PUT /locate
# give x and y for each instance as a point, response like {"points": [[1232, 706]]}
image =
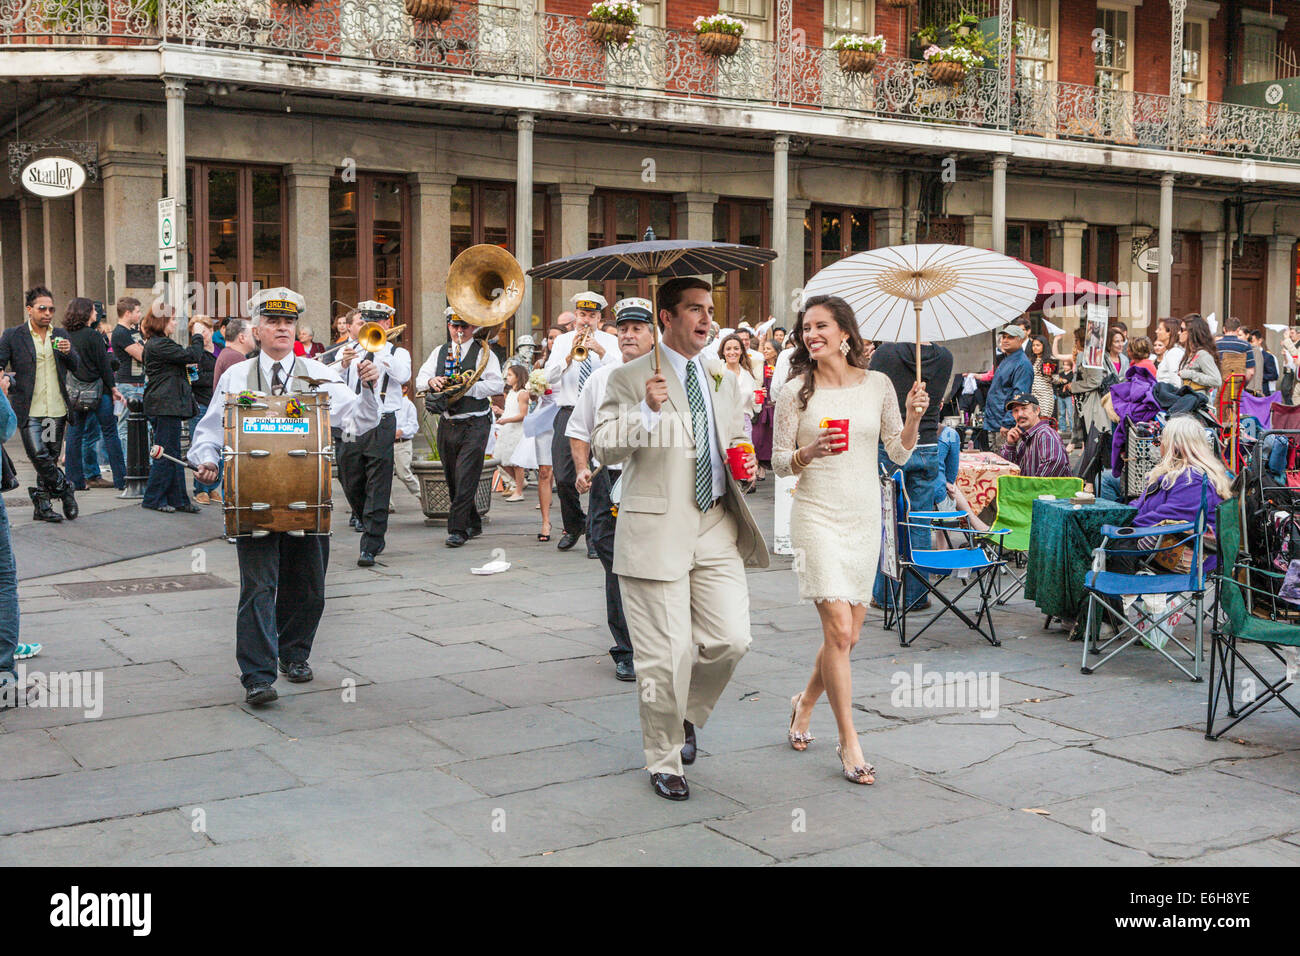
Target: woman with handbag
{"points": [[90, 395], [202, 385], [168, 403]]}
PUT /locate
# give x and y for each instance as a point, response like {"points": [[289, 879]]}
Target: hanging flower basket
{"points": [[719, 44], [430, 11], [945, 72], [857, 61], [604, 32]]}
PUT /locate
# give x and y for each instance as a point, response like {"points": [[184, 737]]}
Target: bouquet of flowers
{"points": [[537, 383], [719, 23], [875, 44]]}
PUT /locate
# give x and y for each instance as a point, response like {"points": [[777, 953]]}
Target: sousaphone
{"points": [[485, 287]]}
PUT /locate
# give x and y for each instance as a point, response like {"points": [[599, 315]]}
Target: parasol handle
{"points": [[916, 305], [654, 317]]}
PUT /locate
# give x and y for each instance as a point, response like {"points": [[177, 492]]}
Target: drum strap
{"points": [[256, 383]]}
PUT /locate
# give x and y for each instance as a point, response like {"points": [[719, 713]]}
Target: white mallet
{"points": [[157, 452]]}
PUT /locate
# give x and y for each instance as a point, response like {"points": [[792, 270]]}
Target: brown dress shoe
{"points": [[670, 786], [99, 483], [202, 498]]}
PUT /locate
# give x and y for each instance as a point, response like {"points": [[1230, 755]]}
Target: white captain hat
{"points": [[279, 301], [632, 309], [589, 300], [375, 311]]}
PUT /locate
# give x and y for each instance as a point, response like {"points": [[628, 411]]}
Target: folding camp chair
{"points": [[972, 560], [1247, 612], [1015, 508], [1181, 592]]}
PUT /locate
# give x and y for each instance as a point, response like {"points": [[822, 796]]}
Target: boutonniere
{"points": [[716, 370]]}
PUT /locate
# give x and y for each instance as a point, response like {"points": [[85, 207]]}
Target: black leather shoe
{"points": [[190, 509], [670, 786], [357, 526], [70, 509], [688, 748], [455, 539], [591, 549], [624, 670], [473, 533], [567, 541], [298, 672], [41, 501], [260, 694], [366, 560]]}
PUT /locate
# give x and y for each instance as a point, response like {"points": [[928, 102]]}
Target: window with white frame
{"points": [[1258, 54], [652, 14], [1195, 35], [846, 18], [1113, 68], [1036, 39], [756, 14]]}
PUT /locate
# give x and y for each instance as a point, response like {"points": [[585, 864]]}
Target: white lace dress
{"points": [[835, 520]]}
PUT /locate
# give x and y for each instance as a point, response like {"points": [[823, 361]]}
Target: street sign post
{"points": [[167, 235]]}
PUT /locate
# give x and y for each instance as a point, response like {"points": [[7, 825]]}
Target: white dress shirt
{"points": [[780, 373], [408, 420], [583, 419], [650, 419], [391, 360], [1168, 369], [348, 410], [564, 381], [490, 382]]}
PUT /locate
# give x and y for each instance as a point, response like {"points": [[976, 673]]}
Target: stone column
{"points": [[524, 125], [60, 250], [1072, 247], [695, 215], [132, 188], [1214, 245], [998, 224], [308, 186], [1279, 283], [32, 218], [980, 232], [570, 202], [796, 211], [780, 212], [89, 204], [1164, 279], [430, 259], [174, 91], [888, 227], [11, 264]]}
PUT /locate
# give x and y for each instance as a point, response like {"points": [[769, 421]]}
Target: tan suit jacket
{"points": [[658, 519]]}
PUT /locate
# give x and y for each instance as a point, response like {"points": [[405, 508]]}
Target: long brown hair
{"points": [[744, 352], [1199, 338], [801, 363]]}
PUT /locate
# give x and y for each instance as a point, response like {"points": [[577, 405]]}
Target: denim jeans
{"points": [[129, 391], [1110, 487], [75, 459], [8, 596], [919, 475], [221, 465], [166, 485]]}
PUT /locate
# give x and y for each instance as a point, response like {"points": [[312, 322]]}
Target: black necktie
{"points": [[277, 382]]}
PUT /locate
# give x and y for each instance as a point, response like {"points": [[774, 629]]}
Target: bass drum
{"points": [[278, 461]]}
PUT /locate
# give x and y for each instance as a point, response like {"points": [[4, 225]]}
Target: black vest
{"points": [[468, 363]]}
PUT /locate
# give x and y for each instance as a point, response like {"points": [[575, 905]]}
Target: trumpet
{"points": [[579, 351]]}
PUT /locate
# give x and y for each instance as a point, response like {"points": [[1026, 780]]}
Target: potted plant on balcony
{"points": [[857, 54], [949, 65], [430, 11], [614, 21], [719, 34]]}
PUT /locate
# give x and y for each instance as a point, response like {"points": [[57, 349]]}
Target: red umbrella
{"points": [[1062, 289]]}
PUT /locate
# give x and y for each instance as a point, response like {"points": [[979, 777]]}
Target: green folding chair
{"points": [[1015, 509], [1247, 613]]}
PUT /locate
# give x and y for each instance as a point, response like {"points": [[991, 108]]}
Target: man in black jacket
{"points": [[40, 357]]}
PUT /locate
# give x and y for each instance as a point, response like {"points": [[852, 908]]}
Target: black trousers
{"points": [[281, 599], [166, 485], [42, 439], [366, 474], [600, 534], [461, 445], [566, 476]]}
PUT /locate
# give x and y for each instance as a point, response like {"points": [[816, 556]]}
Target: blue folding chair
{"points": [[920, 564], [1182, 592]]}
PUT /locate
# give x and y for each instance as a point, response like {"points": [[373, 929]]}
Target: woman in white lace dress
{"points": [[835, 523]]}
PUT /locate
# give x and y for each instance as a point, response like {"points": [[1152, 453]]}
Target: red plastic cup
{"points": [[736, 459], [841, 425], [758, 396]]}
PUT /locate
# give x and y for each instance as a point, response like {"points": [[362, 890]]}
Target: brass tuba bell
{"points": [[485, 285]]}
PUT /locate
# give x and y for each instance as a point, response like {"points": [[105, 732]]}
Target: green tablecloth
{"points": [[1060, 551]]}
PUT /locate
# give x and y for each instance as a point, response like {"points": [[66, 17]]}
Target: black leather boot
{"points": [[70, 509], [43, 510]]}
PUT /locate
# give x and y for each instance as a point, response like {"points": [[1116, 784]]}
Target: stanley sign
{"points": [[53, 177]]}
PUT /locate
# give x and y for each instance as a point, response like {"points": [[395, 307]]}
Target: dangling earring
{"points": [[844, 348]]}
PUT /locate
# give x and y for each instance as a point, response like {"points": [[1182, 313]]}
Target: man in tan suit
{"points": [[684, 533]]}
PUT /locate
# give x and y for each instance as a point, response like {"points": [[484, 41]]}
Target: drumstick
{"points": [[157, 452]]}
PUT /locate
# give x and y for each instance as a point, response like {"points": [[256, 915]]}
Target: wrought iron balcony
{"points": [[485, 40]]}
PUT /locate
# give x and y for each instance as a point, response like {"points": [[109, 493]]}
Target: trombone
{"points": [[372, 337]]}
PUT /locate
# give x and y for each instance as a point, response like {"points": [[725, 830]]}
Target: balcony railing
{"points": [[487, 40]]}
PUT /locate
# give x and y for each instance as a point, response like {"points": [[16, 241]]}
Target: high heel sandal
{"points": [[863, 773], [797, 737], [545, 535]]}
